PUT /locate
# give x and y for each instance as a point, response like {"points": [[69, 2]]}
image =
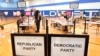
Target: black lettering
{"points": [[29, 44], [67, 50], [22, 43], [68, 45], [55, 45], [18, 43], [28, 48], [36, 44]]}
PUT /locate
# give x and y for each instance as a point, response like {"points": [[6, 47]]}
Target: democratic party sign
{"points": [[68, 45]]}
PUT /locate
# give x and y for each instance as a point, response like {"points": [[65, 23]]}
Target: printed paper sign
{"points": [[62, 46], [29, 45]]}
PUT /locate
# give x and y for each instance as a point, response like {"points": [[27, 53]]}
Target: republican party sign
{"points": [[29, 45]]}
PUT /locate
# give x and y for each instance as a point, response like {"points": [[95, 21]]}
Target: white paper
{"points": [[60, 51], [35, 51]]}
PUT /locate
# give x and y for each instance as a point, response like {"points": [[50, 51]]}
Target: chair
{"points": [[98, 27]]}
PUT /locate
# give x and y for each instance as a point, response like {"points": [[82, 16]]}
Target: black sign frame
{"points": [[13, 42], [68, 36]]}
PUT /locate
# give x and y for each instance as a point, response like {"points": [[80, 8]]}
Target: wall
{"points": [[83, 4], [51, 7], [10, 12], [11, 4], [9, 7], [89, 6]]}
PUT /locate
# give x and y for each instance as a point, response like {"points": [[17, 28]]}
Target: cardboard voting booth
{"points": [[28, 44], [68, 45]]}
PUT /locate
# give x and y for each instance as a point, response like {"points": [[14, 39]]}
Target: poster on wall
{"points": [[6, 13], [18, 13], [28, 45], [68, 45], [14, 13]]}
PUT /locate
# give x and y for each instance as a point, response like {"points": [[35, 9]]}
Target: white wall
{"points": [[37, 2], [40, 2], [95, 5]]}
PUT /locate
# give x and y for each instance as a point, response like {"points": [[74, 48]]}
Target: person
{"points": [[19, 21], [37, 17], [57, 25], [65, 16], [95, 15], [33, 11]]}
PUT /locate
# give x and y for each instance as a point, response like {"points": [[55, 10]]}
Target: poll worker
{"points": [[65, 16], [95, 15], [37, 20], [57, 25], [19, 21]]}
